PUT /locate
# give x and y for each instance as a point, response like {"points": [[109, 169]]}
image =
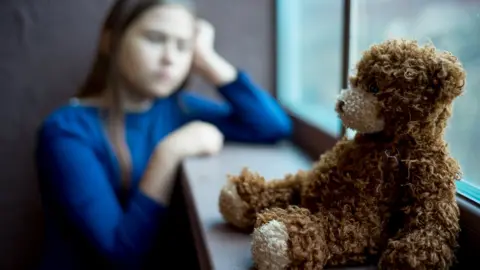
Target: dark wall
{"points": [[47, 47], [245, 32]]}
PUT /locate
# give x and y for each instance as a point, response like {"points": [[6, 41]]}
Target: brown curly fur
{"points": [[386, 197]]}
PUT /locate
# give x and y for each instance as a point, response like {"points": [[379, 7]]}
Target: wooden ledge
{"points": [[218, 245]]}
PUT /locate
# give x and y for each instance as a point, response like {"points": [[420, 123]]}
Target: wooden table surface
{"points": [[219, 246]]}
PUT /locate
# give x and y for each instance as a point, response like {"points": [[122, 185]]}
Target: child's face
{"points": [[157, 50]]}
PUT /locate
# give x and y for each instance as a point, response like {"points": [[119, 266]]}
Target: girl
{"points": [[107, 160]]}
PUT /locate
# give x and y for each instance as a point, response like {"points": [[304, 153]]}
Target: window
{"points": [[309, 47], [309, 54]]}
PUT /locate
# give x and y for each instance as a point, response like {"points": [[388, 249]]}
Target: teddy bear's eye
{"points": [[373, 88]]}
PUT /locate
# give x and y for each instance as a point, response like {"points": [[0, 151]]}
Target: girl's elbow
{"points": [[279, 130], [285, 129]]}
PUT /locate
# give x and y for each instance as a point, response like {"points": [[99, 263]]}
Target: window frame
{"points": [[312, 139]]}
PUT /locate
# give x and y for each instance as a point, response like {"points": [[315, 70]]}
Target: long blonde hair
{"points": [[104, 74]]}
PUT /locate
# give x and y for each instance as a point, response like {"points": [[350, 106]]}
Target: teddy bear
{"points": [[384, 197]]}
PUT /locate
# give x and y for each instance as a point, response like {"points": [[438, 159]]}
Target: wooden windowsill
{"points": [[218, 245]]}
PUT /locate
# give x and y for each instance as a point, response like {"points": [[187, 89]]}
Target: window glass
{"points": [[309, 50], [309, 53], [452, 25]]}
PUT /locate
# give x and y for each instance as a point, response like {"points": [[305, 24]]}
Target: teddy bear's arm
{"points": [[247, 194], [428, 237]]}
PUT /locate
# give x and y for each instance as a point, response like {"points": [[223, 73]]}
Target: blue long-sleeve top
{"points": [[80, 180]]}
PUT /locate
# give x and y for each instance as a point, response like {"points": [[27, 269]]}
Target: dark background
{"points": [[46, 49]]}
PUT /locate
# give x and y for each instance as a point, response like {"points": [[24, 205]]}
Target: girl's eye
{"points": [[183, 45], [373, 88], [156, 37]]}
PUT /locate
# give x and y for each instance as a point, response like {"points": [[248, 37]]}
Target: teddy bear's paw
{"points": [[233, 208], [270, 246]]}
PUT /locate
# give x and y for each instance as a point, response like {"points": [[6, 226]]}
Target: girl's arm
{"points": [[249, 113], [73, 178]]}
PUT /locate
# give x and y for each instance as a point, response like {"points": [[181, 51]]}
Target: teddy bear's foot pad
{"points": [[232, 207], [269, 246]]}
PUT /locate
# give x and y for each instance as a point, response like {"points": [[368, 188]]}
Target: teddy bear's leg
{"points": [[293, 238], [428, 238], [290, 238], [247, 194], [352, 239]]}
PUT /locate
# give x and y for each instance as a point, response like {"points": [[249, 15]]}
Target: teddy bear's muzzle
{"points": [[359, 111]]}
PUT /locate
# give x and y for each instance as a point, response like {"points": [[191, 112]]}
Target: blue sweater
{"points": [[79, 174]]}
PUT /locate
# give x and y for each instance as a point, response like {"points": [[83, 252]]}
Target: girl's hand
{"points": [[193, 139], [207, 62], [204, 42]]}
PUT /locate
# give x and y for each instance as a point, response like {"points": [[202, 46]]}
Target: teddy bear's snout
{"points": [[359, 111]]}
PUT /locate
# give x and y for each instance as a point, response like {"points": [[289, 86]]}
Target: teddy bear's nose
{"points": [[340, 105]]}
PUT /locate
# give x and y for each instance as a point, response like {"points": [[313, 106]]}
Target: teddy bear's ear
{"points": [[448, 78]]}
